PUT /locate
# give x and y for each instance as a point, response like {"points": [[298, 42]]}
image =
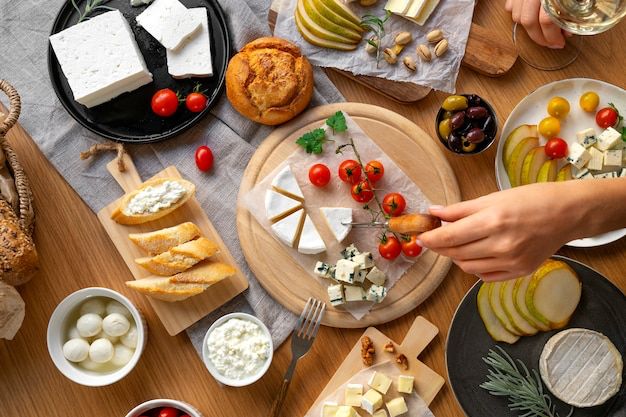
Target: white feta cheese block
{"points": [[376, 276], [335, 294], [169, 22], [609, 139], [354, 293], [310, 240], [100, 58], [596, 162], [286, 230], [350, 252], [587, 137], [578, 155], [278, 205], [193, 57], [335, 218], [365, 260], [285, 183], [377, 293], [613, 158], [346, 271], [322, 269]]}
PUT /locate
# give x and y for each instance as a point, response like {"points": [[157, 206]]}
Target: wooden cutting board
{"points": [[418, 155], [427, 382], [177, 316]]}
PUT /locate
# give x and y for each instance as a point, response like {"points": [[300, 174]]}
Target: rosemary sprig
{"points": [[90, 7], [376, 24], [510, 378]]}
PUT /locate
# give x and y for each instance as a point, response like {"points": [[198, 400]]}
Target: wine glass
{"points": [[578, 17]]}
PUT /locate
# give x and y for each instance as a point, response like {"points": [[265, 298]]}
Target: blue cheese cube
{"points": [[596, 162], [347, 271], [578, 155], [350, 252], [622, 173], [376, 276], [360, 277], [587, 137], [376, 293], [604, 175], [335, 294], [365, 260], [609, 139], [579, 173], [613, 158], [354, 293], [322, 269], [587, 176]]}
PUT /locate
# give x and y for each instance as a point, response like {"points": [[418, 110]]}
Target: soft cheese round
{"points": [[117, 307], [115, 324], [122, 355], [89, 325], [581, 367], [130, 338], [76, 350], [93, 305], [101, 351]]}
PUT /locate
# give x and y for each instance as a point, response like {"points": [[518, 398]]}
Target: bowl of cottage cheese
{"points": [[237, 349]]}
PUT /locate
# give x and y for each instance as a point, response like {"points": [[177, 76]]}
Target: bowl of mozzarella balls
{"points": [[96, 336]]}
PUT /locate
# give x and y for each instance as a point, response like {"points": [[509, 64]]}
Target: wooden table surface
{"points": [[76, 252]]}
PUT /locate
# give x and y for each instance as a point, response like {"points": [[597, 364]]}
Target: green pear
{"points": [[316, 29], [343, 10], [547, 172], [508, 305], [515, 137], [316, 40], [565, 173], [335, 17], [498, 310], [532, 163], [320, 24], [519, 299], [492, 324], [516, 162]]}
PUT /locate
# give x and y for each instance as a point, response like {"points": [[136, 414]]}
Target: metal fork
{"points": [[301, 341]]}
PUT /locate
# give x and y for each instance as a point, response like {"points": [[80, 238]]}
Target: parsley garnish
{"points": [[337, 122], [313, 141]]}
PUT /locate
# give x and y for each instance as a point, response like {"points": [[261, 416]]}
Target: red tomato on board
{"points": [[394, 204], [556, 148], [374, 170], [389, 247], [319, 175], [164, 102], [350, 171], [362, 192], [410, 247], [607, 117], [196, 102], [204, 158]]}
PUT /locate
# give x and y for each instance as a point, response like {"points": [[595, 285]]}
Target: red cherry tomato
{"points": [[168, 412], [374, 170], [350, 171], [394, 204], [204, 158], [556, 148], [362, 192], [319, 175], [164, 102], [607, 117], [389, 247], [410, 247], [195, 102]]}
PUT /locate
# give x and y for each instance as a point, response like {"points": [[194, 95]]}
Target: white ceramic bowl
{"points": [[163, 402], [57, 329], [213, 370]]}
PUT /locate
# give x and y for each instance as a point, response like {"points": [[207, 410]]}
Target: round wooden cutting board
{"points": [[418, 155]]}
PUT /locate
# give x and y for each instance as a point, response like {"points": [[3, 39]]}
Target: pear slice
{"points": [[565, 173], [508, 305], [515, 164], [343, 10], [532, 163], [311, 17], [316, 40], [553, 293], [519, 298], [320, 31], [335, 17], [515, 137], [492, 324], [498, 310], [547, 172]]}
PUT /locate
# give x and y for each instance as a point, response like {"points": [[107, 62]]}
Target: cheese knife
{"points": [[412, 223]]}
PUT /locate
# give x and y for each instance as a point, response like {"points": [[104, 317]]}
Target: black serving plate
{"points": [[129, 118], [602, 308]]}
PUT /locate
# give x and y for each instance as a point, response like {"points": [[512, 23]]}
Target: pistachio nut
{"points": [[409, 63], [441, 47], [371, 46], [434, 36], [390, 56], [403, 38], [424, 52]]}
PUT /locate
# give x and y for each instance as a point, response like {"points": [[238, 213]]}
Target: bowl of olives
{"points": [[466, 124]]}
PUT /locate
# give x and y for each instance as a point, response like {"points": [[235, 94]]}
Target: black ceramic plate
{"points": [[602, 308], [128, 118]]}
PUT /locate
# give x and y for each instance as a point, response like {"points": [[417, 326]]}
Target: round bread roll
{"points": [[269, 81]]}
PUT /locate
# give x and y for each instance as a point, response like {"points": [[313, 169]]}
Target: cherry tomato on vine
{"points": [[350, 171], [374, 170], [410, 247], [556, 148], [362, 192], [607, 117], [394, 204], [168, 412], [164, 102], [389, 247], [195, 102], [319, 175], [204, 158]]}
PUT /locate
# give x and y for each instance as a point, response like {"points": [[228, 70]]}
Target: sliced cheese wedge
{"points": [[335, 217], [310, 240], [398, 6], [288, 229], [415, 8], [285, 183], [279, 206]]}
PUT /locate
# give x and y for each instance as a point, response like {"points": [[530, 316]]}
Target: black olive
{"points": [[457, 120], [476, 113], [455, 142], [475, 135]]}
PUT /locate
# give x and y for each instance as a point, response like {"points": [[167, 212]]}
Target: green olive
{"points": [[468, 146], [455, 103], [445, 128]]}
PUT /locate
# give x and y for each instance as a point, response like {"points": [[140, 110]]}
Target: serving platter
{"points": [[419, 157], [532, 109], [176, 316], [601, 308], [129, 118]]}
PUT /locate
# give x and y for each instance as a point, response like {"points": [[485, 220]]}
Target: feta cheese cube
{"points": [[353, 395], [346, 271], [346, 411], [329, 409], [371, 401], [597, 159], [380, 382], [354, 293], [322, 269], [350, 252], [405, 384], [380, 413], [578, 155], [609, 139], [587, 137], [365, 260], [169, 22], [376, 293], [397, 407], [335, 294], [613, 158], [376, 276], [193, 57]]}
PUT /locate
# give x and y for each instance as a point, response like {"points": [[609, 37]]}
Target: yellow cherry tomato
{"points": [[549, 127], [558, 107], [589, 101]]}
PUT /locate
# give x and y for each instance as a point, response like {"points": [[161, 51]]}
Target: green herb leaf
{"points": [[620, 118], [313, 141], [337, 122], [624, 133]]}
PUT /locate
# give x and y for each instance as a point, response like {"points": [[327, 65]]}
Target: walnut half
{"points": [[367, 351], [389, 347], [402, 361]]}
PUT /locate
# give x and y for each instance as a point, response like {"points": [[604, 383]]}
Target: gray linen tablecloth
{"points": [[24, 29]]}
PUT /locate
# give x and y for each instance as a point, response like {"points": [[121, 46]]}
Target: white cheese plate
{"points": [[533, 108]]}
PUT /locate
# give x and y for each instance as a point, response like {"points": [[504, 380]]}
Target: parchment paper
{"points": [[337, 194], [453, 17], [417, 407]]}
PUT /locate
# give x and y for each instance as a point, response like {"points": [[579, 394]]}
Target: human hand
{"points": [[538, 24]]}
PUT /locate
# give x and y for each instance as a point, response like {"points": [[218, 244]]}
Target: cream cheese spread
{"points": [[152, 199]]}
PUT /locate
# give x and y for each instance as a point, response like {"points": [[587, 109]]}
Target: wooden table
{"points": [[76, 253]]}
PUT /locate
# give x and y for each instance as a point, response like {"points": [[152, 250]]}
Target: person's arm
{"points": [[509, 233], [538, 25]]}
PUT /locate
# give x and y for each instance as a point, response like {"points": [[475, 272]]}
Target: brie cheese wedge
{"points": [[288, 229], [169, 22], [285, 183], [335, 217], [278, 206], [310, 240]]}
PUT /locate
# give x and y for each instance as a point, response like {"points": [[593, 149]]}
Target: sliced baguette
{"points": [[205, 273], [163, 289], [163, 240], [179, 258], [121, 216]]}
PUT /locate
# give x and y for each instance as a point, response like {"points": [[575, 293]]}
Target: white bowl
{"points": [[57, 327], [211, 367], [164, 402]]}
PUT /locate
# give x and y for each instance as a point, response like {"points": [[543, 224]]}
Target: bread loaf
{"points": [[163, 289], [179, 258], [12, 310], [163, 240], [205, 273], [18, 257]]}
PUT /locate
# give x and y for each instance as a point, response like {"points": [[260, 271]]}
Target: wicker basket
{"points": [[26, 212]]}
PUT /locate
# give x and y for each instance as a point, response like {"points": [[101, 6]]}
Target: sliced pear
{"points": [[316, 29], [515, 137], [547, 172], [319, 25], [316, 40], [515, 164], [343, 10], [508, 305], [553, 293], [532, 163], [519, 298], [492, 324], [498, 310], [335, 17], [565, 173]]}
